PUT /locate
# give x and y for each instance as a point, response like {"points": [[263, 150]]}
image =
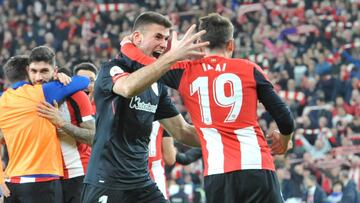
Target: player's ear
{"points": [[137, 38], [230, 45]]}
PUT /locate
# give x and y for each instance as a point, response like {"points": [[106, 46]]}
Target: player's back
{"points": [[221, 97], [31, 140]]}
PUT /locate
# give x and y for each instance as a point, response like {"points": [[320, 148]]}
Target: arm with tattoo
{"points": [[84, 134]]}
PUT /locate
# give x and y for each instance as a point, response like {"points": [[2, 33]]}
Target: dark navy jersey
{"points": [[123, 126]]}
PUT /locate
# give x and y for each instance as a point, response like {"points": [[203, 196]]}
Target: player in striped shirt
{"points": [[221, 95], [75, 122], [161, 152]]}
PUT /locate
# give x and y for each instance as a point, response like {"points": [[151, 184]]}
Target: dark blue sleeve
{"points": [[273, 104], [57, 91], [189, 156], [172, 78]]}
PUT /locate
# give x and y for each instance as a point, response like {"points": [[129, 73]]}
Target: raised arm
{"points": [[55, 91], [130, 85]]}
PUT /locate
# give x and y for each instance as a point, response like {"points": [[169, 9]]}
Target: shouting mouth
{"points": [[156, 54]]}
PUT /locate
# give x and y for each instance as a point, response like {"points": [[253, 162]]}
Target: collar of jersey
{"points": [[19, 84]]}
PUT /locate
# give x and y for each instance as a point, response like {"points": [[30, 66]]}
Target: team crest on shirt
{"points": [[115, 70], [155, 88]]}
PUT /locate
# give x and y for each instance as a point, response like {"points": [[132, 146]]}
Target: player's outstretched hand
{"points": [[279, 142], [5, 190], [186, 48]]}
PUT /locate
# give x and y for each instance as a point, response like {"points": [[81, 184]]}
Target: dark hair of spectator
{"points": [[219, 30], [15, 68], [66, 71], [150, 17], [42, 54], [85, 66]]}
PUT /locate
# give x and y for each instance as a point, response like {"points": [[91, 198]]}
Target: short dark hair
{"points": [[85, 66], [15, 68], [219, 30], [150, 17], [66, 71], [42, 54]]}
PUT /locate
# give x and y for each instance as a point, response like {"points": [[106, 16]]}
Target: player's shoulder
{"points": [[30, 88], [79, 95], [120, 62], [113, 66], [244, 62], [25, 91]]}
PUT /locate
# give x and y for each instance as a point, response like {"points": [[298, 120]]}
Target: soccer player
{"points": [[35, 162], [89, 70], [76, 126], [221, 95], [118, 170], [161, 152]]}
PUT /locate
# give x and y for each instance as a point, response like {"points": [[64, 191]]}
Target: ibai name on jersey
{"points": [[218, 67]]}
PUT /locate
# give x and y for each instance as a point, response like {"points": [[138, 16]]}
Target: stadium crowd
{"points": [[310, 51]]}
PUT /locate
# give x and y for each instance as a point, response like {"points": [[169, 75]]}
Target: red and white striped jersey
{"points": [[221, 95], [156, 161], [76, 155]]}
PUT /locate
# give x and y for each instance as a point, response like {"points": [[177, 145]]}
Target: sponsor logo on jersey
{"points": [[137, 104]]}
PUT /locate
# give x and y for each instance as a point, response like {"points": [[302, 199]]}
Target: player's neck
{"points": [[217, 52]]}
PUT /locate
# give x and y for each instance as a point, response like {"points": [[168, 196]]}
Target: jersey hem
{"points": [[114, 187], [221, 171]]}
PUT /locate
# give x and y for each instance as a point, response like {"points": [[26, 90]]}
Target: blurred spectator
{"points": [[350, 192], [320, 148], [314, 193], [336, 194], [180, 196]]}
